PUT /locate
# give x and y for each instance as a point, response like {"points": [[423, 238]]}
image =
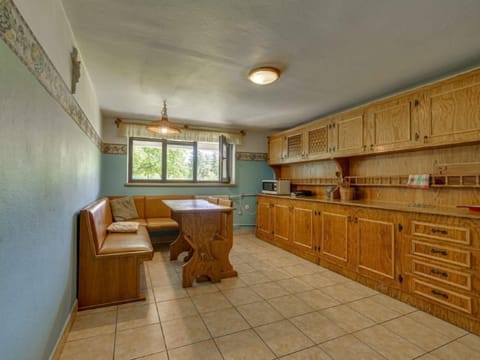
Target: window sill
{"points": [[142, 184]]}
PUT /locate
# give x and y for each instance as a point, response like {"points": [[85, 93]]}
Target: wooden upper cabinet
{"points": [[275, 150], [392, 125], [453, 111], [318, 141], [348, 133], [294, 146]]}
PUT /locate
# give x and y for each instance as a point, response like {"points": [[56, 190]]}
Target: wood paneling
{"points": [[303, 226], [275, 150], [281, 221], [335, 236], [264, 218], [349, 133]]}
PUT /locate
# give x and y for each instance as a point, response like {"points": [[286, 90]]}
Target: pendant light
{"points": [[163, 126]]}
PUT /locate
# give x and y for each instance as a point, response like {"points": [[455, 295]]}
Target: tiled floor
{"points": [[280, 306]]}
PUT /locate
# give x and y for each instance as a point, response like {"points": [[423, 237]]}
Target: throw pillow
{"points": [[123, 209], [123, 227]]}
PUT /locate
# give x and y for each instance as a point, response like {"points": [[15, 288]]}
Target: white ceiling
{"points": [[333, 54]]}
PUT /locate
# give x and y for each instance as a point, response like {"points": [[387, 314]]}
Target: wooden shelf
{"points": [[438, 181]]}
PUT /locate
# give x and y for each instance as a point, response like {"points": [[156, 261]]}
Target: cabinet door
{"points": [[335, 236], [303, 226], [293, 144], [348, 130], [281, 221], [317, 141], [264, 219], [391, 126], [275, 150], [453, 112], [375, 240]]}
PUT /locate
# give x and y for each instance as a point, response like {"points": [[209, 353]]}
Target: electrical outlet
{"points": [[247, 206]]}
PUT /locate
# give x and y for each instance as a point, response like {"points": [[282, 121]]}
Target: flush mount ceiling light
{"points": [[264, 75], [163, 126]]}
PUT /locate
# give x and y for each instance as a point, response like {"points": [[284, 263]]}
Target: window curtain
{"points": [[186, 134]]}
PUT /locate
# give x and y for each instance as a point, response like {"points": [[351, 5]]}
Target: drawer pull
{"points": [[440, 293], [438, 272], [437, 251], [440, 231]]}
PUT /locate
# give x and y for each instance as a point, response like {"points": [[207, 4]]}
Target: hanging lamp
{"points": [[163, 126]]}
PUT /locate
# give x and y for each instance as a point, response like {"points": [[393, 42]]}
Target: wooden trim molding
{"points": [[65, 332], [17, 35], [251, 156], [114, 149]]}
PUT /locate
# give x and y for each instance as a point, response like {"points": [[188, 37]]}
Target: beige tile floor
{"points": [[280, 306]]}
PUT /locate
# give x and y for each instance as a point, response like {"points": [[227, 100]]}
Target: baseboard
{"points": [[62, 339]]}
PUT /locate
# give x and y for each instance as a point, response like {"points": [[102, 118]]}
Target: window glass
{"points": [[180, 161], [208, 161], [146, 160]]}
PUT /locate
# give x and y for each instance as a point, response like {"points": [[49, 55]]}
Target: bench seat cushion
{"points": [[157, 224], [140, 221], [116, 243]]}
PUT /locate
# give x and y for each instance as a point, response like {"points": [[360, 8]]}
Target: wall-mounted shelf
{"points": [[438, 181]]}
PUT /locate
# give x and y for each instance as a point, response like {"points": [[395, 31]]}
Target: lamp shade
{"points": [[263, 75], [163, 126]]}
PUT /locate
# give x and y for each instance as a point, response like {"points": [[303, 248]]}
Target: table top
{"points": [[194, 205]]}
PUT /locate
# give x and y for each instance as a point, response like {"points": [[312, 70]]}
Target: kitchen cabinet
{"points": [[275, 150], [294, 146], [264, 229], [281, 212], [452, 111], [318, 140], [393, 125], [348, 133], [335, 239], [376, 238], [305, 226]]}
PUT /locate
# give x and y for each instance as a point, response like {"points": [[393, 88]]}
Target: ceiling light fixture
{"points": [[264, 75], [163, 126]]}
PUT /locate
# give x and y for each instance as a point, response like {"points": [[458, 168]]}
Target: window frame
{"points": [[222, 180]]}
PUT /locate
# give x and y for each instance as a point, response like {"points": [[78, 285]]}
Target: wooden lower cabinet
{"points": [[377, 238], [264, 218], [429, 261], [335, 236]]}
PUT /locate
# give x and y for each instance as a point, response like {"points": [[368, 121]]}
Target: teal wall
{"points": [[248, 179], [48, 170]]}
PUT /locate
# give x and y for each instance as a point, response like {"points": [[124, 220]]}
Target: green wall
{"points": [[48, 171], [248, 179]]}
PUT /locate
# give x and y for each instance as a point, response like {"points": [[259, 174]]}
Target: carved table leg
{"points": [[178, 246], [199, 229]]}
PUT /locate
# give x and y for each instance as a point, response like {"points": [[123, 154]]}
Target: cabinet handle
{"points": [[440, 293], [438, 272], [371, 147], [417, 136], [440, 231], [416, 102], [364, 147], [334, 149], [437, 251], [425, 139]]}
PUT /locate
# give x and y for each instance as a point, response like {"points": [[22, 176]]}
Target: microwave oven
{"points": [[277, 187]]}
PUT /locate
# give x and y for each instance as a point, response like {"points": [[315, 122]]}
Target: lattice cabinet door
{"points": [[294, 146], [317, 142]]}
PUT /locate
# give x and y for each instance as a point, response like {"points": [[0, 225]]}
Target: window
{"points": [[169, 161]]}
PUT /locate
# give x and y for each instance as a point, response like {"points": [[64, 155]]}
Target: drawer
{"points": [[458, 235], [444, 275], [443, 296], [442, 253]]}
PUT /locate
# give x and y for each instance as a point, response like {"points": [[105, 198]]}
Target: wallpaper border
{"points": [[18, 36], [121, 149]]}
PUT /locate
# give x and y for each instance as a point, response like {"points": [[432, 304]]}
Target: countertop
{"points": [[385, 205]]}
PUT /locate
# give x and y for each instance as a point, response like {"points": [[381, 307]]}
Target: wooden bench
{"points": [[109, 269]]}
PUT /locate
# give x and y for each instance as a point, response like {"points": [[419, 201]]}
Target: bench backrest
{"points": [[99, 218]]}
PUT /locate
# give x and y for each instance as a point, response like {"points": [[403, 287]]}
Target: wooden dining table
{"points": [[206, 233]]}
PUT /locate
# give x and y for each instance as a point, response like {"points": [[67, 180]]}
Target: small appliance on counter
{"points": [[276, 187], [301, 193]]}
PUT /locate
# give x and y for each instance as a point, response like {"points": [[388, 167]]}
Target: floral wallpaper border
{"points": [[251, 156], [15, 32], [114, 149], [121, 149]]}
